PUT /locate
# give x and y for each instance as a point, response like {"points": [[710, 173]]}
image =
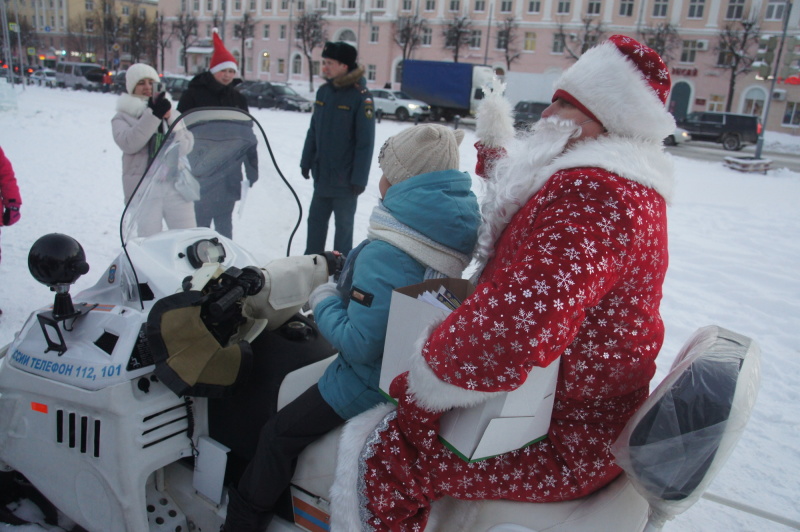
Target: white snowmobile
{"points": [[133, 407]]}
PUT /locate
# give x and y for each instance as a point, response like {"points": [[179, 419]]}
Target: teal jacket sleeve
{"points": [[356, 329]]}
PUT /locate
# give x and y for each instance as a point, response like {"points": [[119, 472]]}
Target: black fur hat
{"points": [[342, 52]]}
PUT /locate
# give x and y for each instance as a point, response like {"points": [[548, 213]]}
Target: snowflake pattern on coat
{"points": [[577, 274]]}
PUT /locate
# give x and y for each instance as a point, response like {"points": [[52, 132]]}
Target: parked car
{"points": [[528, 112], [399, 104], [679, 136], [263, 94], [44, 78], [732, 130], [73, 75], [175, 85]]}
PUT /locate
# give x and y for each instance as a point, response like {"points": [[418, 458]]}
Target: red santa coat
{"points": [[577, 274]]}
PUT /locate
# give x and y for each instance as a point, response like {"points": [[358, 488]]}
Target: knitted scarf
{"points": [[440, 260]]}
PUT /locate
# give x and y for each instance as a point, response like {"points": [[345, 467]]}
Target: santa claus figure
{"points": [[572, 254]]}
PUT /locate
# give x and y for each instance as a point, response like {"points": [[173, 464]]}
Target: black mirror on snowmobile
{"points": [[58, 260]]}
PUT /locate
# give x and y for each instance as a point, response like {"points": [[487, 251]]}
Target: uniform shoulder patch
{"points": [[361, 297]]}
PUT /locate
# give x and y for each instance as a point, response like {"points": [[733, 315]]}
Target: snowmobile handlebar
{"points": [[234, 284]]}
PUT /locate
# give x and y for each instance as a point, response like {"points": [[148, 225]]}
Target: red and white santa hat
{"points": [[221, 58], [622, 84]]}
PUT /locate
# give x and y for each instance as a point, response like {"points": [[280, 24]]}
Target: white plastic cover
{"points": [[682, 435]]}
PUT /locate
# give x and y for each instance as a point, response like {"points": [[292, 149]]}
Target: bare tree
{"points": [[507, 39], [185, 29], [735, 44], [663, 38], [408, 33], [457, 34], [311, 31], [109, 25], [576, 43], [162, 35], [244, 30], [139, 34]]}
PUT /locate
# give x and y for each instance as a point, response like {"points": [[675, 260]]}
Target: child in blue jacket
{"points": [[425, 227]]}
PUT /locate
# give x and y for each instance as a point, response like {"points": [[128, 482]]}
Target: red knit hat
{"points": [[221, 58], [623, 85]]}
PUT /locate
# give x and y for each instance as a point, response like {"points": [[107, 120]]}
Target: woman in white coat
{"points": [[141, 115]]}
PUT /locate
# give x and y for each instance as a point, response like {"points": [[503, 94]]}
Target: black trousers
{"points": [[282, 439]]}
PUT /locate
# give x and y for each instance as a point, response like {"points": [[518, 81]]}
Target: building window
{"points": [[660, 8], [529, 44], [502, 39], [696, 8], [266, 31], [89, 25], [406, 5], [265, 61], [506, 6], [237, 5], [267, 5], [143, 13], [297, 64], [126, 10], [558, 43], [791, 117], [210, 5], [196, 5], [753, 102], [89, 5], [430, 5], [281, 66], [351, 4], [427, 36], [475, 38], [563, 7], [372, 73], [374, 34], [480, 5], [534, 6], [380, 4], [626, 8], [716, 103], [735, 10], [593, 7], [315, 68], [688, 51], [455, 5], [282, 32], [775, 10]]}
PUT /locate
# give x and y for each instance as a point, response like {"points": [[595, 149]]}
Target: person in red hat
{"points": [[572, 255], [215, 88]]}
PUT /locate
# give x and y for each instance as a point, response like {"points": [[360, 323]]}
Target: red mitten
{"points": [[487, 156], [420, 426]]}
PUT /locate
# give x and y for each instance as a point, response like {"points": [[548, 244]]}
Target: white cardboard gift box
{"points": [[506, 422]]}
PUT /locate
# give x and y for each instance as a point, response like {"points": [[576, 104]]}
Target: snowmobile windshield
{"points": [[211, 164]]}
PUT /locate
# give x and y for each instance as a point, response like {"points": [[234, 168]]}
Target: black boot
{"points": [[242, 516]]}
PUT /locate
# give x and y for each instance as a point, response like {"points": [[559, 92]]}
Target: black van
{"points": [[527, 112], [733, 131]]}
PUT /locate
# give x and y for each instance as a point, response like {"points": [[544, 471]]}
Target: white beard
{"points": [[514, 179]]}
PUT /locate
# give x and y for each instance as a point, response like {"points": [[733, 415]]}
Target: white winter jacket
{"points": [[133, 126]]}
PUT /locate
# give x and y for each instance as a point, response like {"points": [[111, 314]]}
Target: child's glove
{"points": [[11, 213], [321, 293], [494, 124]]}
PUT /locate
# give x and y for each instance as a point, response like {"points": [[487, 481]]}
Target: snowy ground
{"points": [[733, 248]]}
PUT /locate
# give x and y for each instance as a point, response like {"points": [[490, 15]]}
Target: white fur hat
{"points": [[419, 150], [623, 85], [138, 72]]}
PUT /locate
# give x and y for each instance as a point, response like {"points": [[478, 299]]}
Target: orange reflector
{"points": [[39, 407]]}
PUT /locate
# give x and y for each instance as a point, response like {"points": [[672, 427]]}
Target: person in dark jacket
{"points": [[215, 88], [338, 148], [425, 228]]}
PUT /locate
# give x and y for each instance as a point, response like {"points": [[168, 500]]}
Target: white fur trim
{"points": [[230, 64], [344, 492], [643, 162], [435, 395], [131, 105], [494, 120], [612, 88]]}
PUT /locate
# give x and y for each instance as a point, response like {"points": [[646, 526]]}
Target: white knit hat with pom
{"points": [[138, 72], [419, 150]]}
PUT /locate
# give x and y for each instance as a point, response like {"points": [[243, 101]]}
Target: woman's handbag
{"points": [[186, 183]]}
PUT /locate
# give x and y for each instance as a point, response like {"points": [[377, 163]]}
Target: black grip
{"points": [[225, 303]]}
